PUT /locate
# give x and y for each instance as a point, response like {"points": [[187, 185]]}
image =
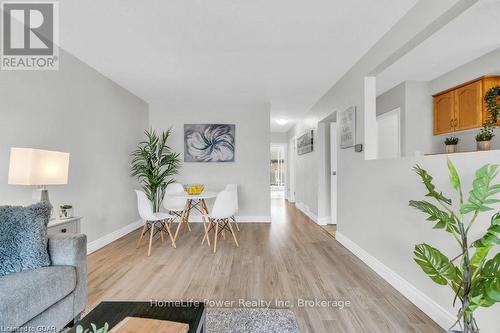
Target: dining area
{"points": [[180, 205]]}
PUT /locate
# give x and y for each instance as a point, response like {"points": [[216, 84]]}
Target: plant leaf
{"points": [[490, 277], [479, 195], [444, 220], [492, 236], [427, 180], [454, 177], [435, 264]]}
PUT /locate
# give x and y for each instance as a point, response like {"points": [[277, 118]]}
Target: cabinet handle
{"points": [[64, 230]]}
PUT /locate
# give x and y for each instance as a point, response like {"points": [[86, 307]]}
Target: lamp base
{"points": [[44, 195]]}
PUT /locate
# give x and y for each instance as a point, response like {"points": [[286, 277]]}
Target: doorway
{"points": [[278, 171], [389, 135]]}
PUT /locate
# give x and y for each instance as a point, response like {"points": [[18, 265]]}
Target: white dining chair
{"points": [[234, 188], [152, 220], [219, 218], [175, 205]]}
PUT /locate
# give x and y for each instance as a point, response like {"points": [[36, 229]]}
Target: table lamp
{"points": [[36, 167]]}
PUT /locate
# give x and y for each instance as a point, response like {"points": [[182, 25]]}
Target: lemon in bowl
{"points": [[194, 189]]}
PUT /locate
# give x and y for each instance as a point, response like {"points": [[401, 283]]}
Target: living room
{"points": [[89, 231]]}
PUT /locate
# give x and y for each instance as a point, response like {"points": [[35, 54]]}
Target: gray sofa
{"points": [[48, 298]]}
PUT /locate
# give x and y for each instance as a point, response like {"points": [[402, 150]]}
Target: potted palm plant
{"points": [[153, 164], [473, 275], [451, 144]]}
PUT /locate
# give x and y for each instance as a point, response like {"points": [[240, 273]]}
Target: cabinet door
{"points": [[443, 113], [468, 106], [488, 83]]}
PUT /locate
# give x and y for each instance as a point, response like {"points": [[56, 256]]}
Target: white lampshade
{"points": [[38, 167]]}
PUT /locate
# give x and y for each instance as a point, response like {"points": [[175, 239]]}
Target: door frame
{"points": [[334, 153], [284, 149], [290, 181], [396, 111]]}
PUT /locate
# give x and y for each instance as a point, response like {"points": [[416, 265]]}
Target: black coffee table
{"points": [[191, 313]]}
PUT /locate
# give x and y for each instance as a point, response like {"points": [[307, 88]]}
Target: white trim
{"points": [[324, 220], [111, 237], [305, 209], [435, 311], [239, 219]]}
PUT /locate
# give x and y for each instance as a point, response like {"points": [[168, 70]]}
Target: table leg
{"points": [[204, 212], [190, 204]]}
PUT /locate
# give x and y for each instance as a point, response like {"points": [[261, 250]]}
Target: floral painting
{"points": [[209, 143]]}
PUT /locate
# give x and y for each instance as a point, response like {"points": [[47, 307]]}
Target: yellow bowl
{"points": [[194, 189]]}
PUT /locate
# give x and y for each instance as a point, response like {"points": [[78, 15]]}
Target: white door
{"points": [[333, 172], [291, 171], [389, 137]]}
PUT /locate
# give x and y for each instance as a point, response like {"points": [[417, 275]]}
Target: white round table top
{"points": [[203, 195]]}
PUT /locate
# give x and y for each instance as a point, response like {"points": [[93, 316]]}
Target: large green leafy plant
{"points": [[474, 278], [154, 163]]}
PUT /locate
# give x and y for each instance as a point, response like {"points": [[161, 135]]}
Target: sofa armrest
{"points": [[71, 250]]}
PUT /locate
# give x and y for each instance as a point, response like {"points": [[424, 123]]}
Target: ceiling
{"points": [[283, 52], [469, 36]]}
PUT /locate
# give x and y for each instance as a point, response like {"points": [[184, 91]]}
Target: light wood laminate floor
{"points": [[290, 259]]}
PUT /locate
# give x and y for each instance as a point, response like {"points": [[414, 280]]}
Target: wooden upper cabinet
{"points": [[468, 107], [488, 83], [443, 113], [462, 108]]}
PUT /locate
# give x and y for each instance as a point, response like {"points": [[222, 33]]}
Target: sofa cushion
{"points": [[23, 237], [26, 294]]}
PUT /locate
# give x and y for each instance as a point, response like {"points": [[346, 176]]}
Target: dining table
{"points": [[195, 202]]}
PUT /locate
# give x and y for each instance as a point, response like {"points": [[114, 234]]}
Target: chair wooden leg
{"points": [[162, 230], [232, 232], [216, 234], [151, 238], [181, 220], [206, 226], [235, 223], [167, 225], [142, 235]]}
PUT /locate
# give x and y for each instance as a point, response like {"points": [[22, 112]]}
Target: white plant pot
{"points": [[450, 149], [484, 145], [65, 213]]}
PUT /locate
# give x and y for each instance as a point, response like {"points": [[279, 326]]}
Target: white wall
{"points": [[306, 171], [251, 167], [279, 137], [75, 110]]}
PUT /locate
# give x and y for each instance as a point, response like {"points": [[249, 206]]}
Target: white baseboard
{"points": [[305, 209], [111, 237], [324, 220], [435, 311], [239, 219]]}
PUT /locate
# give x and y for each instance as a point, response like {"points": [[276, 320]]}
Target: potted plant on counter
{"points": [[474, 272], [483, 138], [451, 144], [492, 101]]}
